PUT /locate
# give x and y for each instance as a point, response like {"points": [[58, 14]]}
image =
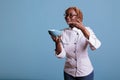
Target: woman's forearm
{"points": [[58, 48]]}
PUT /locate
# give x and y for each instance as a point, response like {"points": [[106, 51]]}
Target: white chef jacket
{"points": [[74, 48]]}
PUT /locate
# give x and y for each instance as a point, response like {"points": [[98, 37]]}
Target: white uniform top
{"points": [[74, 48]]}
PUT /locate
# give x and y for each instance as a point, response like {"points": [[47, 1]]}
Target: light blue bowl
{"points": [[54, 32]]}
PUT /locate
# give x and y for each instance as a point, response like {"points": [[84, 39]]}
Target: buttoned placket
{"points": [[74, 45], [76, 52]]}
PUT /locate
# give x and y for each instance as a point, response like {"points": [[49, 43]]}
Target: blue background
{"points": [[27, 51]]}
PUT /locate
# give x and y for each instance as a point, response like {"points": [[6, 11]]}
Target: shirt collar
{"points": [[76, 30]]}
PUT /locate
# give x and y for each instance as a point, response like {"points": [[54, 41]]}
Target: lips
{"points": [[68, 21]]}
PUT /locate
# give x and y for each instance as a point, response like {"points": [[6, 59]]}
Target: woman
{"points": [[73, 43]]}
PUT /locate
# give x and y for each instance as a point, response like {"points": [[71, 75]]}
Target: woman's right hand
{"points": [[56, 39]]}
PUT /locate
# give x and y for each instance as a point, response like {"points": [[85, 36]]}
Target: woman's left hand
{"points": [[78, 24]]}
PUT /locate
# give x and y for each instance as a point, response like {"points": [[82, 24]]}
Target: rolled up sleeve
{"points": [[62, 54], [93, 40]]}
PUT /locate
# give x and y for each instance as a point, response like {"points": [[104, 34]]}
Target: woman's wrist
{"points": [[86, 33], [58, 47]]}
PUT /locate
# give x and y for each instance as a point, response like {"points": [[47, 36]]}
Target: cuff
{"points": [[62, 54], [94, 42]]}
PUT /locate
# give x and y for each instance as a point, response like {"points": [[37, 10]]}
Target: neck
{"points": [[71, 26]]}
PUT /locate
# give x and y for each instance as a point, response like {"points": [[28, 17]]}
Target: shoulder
{"points": [[65, 29]]}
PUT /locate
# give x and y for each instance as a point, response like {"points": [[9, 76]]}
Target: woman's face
{"points": [[71, 16]]}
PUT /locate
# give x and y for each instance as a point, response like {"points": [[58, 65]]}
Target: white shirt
{"points": [[74, 48]]}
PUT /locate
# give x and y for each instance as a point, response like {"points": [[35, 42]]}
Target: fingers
{"points": [[78, 21], [53, 37], [56, 38]]}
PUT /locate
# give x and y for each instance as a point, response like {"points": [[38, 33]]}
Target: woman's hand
{"points": [[56, 39], [78, 24], [57, 44]]}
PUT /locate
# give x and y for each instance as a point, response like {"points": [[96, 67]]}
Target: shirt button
{"points": [[75, 43], [74, 51], [75, 59], [77, 34]]}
